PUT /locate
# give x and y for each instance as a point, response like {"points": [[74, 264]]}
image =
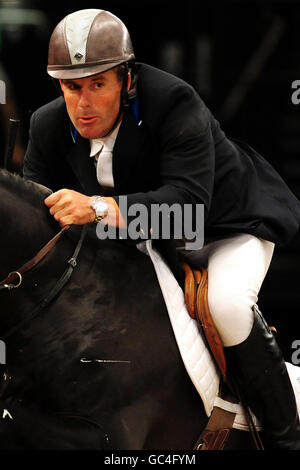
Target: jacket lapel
{"points": [[128, 148], [83, 166]]}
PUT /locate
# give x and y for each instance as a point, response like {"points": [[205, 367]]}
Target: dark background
{"points": [[242, 57]]}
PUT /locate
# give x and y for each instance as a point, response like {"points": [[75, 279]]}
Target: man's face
{"points": [[93, 103]]}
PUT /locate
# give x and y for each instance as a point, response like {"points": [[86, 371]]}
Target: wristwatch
{"points": [[100, 207]]}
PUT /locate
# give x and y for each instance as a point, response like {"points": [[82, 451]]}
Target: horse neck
{"points": [[19, 247], [25, 229]]}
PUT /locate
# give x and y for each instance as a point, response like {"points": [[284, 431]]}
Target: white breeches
{"points": [[236, 269]]}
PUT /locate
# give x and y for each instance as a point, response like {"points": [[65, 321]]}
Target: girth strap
{"points": [[217, 430]]}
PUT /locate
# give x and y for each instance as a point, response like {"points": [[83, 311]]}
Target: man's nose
{"points": [[85, 98]]}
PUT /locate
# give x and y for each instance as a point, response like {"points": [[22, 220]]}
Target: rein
{"points": [[8, 282]]}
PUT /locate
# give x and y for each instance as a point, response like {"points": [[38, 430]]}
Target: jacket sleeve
{"points": [[35, 166]]}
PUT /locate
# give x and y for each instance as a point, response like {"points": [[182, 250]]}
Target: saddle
{"points": [[220, 423], [196, 299]]}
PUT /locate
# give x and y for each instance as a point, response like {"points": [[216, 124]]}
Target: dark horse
{"points": [[99, 368]]}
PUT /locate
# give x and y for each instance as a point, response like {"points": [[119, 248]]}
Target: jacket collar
{"points": [[83, 166], [128, 145]]}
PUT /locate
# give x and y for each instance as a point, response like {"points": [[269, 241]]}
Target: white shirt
{"points": [[102, 152]]}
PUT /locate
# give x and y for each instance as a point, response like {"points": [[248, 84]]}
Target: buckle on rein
{"points": [[11, 286], [7, 283]]}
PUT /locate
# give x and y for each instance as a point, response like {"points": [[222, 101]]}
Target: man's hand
{"points": [[70, 207]]}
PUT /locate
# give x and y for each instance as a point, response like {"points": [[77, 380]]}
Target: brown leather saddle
{"points": [[196, 299]]}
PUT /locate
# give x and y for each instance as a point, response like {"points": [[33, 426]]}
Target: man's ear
{"points": [[129, 81]]}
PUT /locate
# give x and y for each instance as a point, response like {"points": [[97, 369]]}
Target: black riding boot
{"points": [[257, 366]]}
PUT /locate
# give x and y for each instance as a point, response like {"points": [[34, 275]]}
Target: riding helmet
{"points": [[88, 42]]}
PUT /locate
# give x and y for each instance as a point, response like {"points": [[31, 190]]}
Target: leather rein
{"points": [[15, 278]]}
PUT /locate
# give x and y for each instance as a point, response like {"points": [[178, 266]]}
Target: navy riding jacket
{"points": [[174, 152]]}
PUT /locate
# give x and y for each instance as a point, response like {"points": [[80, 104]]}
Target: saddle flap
{"points": [[196, 298], [189, 290]]}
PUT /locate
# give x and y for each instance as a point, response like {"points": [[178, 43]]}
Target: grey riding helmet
{"points": [[88, 42]]}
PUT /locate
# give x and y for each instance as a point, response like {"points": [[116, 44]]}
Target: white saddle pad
{"points": [[195, 355]]}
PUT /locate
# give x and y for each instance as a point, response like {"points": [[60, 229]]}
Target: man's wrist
{"points": [[100, 207]]}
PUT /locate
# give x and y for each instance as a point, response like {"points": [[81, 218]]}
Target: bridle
{"points": [[15, 278], [8, 282]]}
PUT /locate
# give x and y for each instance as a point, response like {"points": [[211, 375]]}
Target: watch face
{"points": [[100, 207]]}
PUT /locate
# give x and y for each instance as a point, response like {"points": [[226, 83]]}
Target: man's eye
{"points": [[98, 85], [72, 86]]}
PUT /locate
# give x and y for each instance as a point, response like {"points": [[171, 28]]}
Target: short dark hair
{"points": [[121, 71]]}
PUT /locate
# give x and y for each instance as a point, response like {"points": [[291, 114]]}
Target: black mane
{"points": [[25, 189]]}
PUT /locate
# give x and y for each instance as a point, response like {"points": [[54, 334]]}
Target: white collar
{"points": [[106, 142]]}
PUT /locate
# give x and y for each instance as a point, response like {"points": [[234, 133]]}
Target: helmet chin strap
{"points": [[126, 95], [124, 100]]}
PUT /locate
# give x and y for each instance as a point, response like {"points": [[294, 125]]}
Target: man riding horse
{"points": [[126, 128]]}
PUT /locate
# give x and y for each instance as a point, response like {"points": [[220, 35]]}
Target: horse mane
{"points": [[32, 192]]}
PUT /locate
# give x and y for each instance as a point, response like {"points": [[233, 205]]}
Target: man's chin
{"points": [[89, 133]]}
